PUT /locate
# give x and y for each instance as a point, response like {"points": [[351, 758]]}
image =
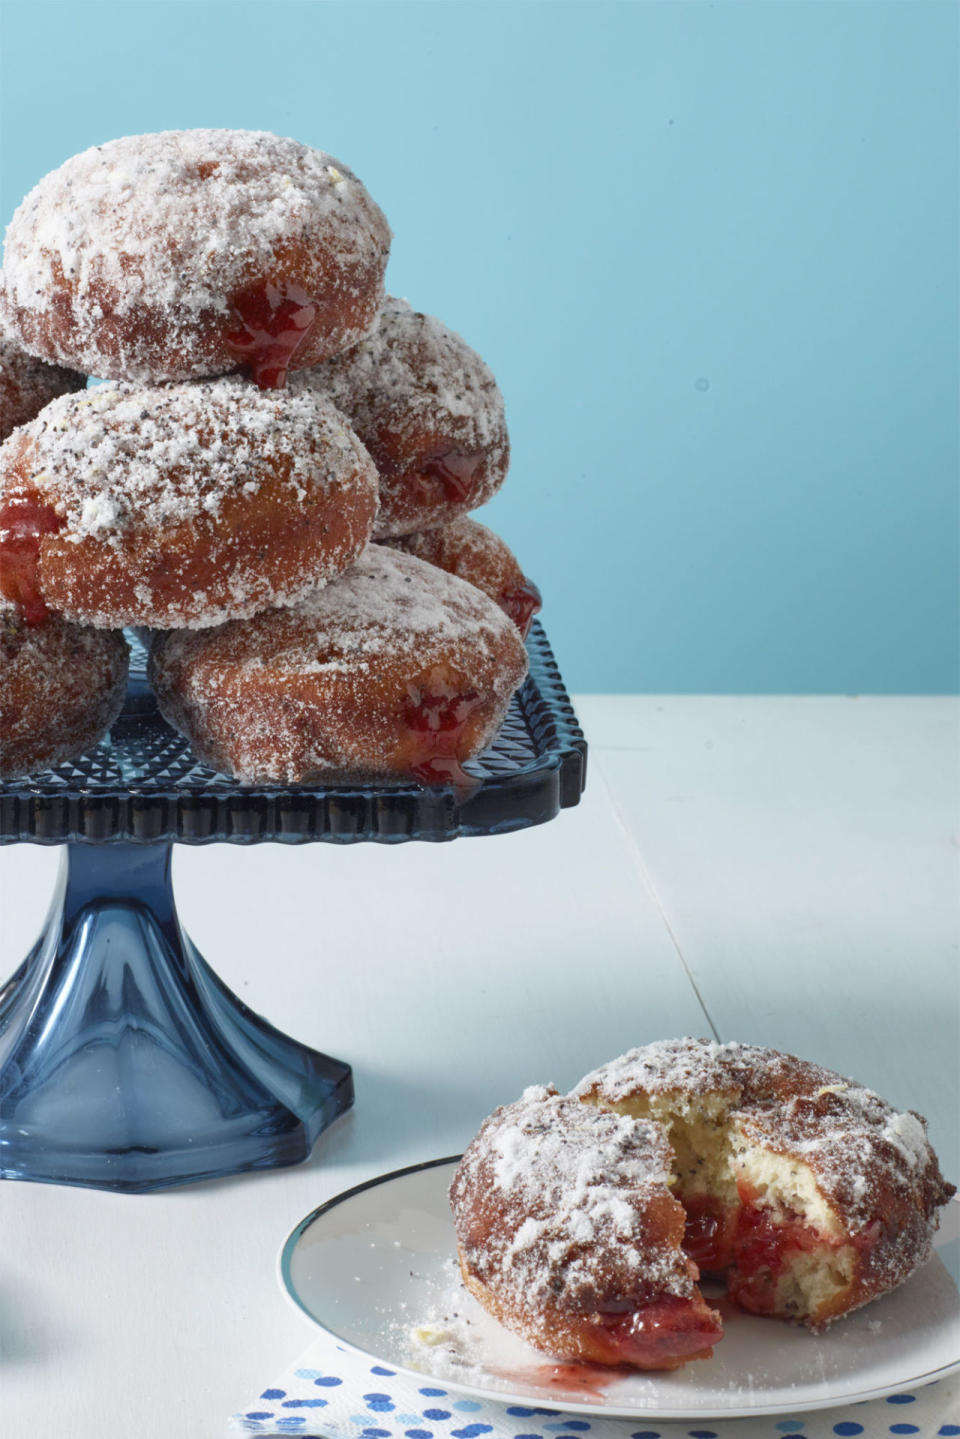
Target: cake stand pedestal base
{"points": [[126, 1064]]}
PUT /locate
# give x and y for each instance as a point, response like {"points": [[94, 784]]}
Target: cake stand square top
{"points": [[143, 785]]}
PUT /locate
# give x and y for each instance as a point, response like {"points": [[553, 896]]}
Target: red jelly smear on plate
{"points": [[22, 522], [436, 719], [274, 320], [664, 1334], [521, 602]]}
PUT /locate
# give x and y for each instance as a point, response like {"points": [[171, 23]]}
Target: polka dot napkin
{"points": [[333, 1393]]}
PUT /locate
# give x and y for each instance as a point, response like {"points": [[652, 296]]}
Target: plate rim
{"points": [[599, 1410]]}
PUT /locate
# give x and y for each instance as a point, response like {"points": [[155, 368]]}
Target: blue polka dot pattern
{"points": [[273, 1394], [329, 1380], [901, 1398], [646, 1434], [433, 1393], [304, 1403], [379, 1369], [904, 1429], [949, 1429], [436, 1414], [789, 1426], [847, 1426], [419, 1433], [470, 1431], [702, 1433], [467, 1406], [380, 1403]]}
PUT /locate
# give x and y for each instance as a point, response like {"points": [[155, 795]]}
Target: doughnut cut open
{"points": [[569, 1235], [809, 1192]]}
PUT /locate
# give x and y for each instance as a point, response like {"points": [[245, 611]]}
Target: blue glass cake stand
{"points": [[125, 1063]]}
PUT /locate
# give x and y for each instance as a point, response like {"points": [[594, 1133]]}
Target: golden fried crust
{"points": [[27, 384], [874, 1178], [469, 550], [429, 411], [134, 260], [61, 687], [188, 505], [330, 686]]}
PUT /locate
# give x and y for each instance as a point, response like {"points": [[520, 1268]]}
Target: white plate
{"points": [[373, 1265]]}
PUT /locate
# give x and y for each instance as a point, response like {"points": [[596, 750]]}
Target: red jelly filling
{"points": [[664, 1334], [763, 1248], [274, 320], [452, 471], [436, 719], [708, 1238], [521, 601], [22, 522]]}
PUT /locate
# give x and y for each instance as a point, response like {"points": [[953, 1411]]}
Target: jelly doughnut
{"points": [[26, 385], [809, 1192], [568, 1234], [61, 687], [395, 669], [430, 413], [191, 252], [179, 505], [468, 549]]}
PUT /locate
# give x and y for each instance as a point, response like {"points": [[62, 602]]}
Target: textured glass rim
{"points": [[216, 809]]}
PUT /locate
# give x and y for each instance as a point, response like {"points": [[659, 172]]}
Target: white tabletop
{"points": [[782, 871]]}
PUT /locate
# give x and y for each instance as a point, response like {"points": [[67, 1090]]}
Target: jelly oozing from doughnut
{"points": [[568, 1234], [24, 518], [436, 719], [452, 471], [429, 411], [521, 601], [273, 322], [663, 1334], [810, 1193], [185, 254], [394, 670]]}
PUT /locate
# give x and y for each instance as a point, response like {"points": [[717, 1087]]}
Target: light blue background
{"points": [[710, 251]]}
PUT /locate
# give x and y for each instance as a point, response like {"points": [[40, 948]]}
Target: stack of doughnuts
{"points": [[584, 1221], [273, 474]]}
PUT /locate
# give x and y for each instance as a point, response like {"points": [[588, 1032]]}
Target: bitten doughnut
{"points": [[568, 1234], [430, 413], [26, 385], [61, 688], [187, 253], [179, 505], [475, 554], [812, 1194], [395, 669], [809, 1193]]}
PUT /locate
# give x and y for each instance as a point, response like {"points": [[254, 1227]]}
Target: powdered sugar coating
{"points": [[61, 687], [559, 1204], [321, 688], [415, 391], [27, 384], [126, 260], [872, 1163], [189, 504]]}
